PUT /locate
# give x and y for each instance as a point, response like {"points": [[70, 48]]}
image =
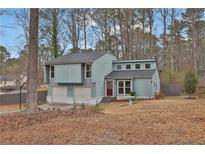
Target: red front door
{"points": [[109, 85]]}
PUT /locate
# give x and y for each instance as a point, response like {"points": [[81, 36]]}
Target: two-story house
{"points": [[87, 77]]}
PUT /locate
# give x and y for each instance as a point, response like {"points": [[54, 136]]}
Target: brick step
{"points": [[107, 99]]}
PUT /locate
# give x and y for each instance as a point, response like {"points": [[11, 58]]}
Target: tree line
{"points": [[177, 42], [175, 36]]}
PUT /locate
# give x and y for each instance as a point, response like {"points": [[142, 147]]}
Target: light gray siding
{"points": [[143, 87], [49, 90], [70, 91], [70, 73], [156, 82], [100, 68], [93, 90], [46, 75]]}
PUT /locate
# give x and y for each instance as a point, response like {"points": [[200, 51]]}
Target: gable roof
{"points": [[130, 74], [77, 58]]}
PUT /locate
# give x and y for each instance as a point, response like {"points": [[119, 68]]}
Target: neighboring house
{"points": [[88, 77], [7, 83]]}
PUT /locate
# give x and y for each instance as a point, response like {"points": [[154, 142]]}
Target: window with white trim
{"points": [[119, 67], [52, 72], [87, 71], [121, 87], [124, 87], [147, 66], [128, 66], [137, 66]]}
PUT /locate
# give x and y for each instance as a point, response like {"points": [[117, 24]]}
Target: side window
{"points": [[137, 66], [147, 66], [119, 67], [128, 66], [52, 72], [88, 71]]}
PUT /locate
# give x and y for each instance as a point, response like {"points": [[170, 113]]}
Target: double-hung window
{"points": [[87, 71], [52, 72], [124, 87]]}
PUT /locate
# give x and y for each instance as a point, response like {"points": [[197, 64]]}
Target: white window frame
{"points": [[53, 72], [138, 68], [86, 71], [120, 66], [129, 68], [123, 87], [146, 64]]}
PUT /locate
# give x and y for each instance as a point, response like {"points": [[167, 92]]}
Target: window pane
{"points": [[137, 66], [119, 67], [52, 71], [88, 74], [127, 84], [88, 70], [120, 83], [147, 65], [120, 90], [52, 68], [128, 66], [127, 90]]}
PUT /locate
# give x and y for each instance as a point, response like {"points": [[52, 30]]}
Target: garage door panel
{"points": [[82, 93], [59, 94]]}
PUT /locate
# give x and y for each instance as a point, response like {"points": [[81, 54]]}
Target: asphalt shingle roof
{"points": [[77, 58], [130, 74]]}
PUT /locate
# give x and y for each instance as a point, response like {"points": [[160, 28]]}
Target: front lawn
{"points": [[165, 121]]}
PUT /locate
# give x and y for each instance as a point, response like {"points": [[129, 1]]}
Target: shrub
{"points": [[95, 108], [132, 93], [190, 83], [82, 106], [159, 95]]}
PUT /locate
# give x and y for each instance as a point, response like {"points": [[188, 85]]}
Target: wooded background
{"points": [[175, 37]]}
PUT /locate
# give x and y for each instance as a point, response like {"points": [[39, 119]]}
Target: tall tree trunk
{"points": [[33, 60], [84, 30], [151, 15], [172, 39], [143, 32], [164, 14], [55, 33], [121, 30], [194, 52]]}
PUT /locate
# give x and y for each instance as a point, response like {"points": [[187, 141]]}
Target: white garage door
{"points": [[59, 94], [82, 94]]}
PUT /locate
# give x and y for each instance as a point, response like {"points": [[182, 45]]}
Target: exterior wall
{"points": [[156, 82], [142, 64], [143, 88], [70, 73], [100, 68], [46, 75]]}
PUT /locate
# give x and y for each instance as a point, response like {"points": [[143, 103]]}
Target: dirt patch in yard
{"points": [[10, 108], [166, 121]]}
